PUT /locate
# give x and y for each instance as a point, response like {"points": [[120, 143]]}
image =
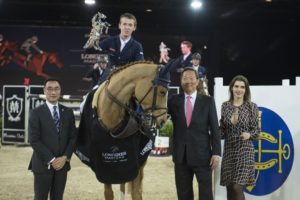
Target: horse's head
{"points": [[11, 45], [203, 86], [54, 59], [152, 94]]}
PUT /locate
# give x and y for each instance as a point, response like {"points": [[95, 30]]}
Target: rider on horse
{"points": [[196, 59], [203, 87], [27, 47]]}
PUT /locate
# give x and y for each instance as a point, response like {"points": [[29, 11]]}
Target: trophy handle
{"points": [[98, 25]]}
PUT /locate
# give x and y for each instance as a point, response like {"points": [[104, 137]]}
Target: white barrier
{"points": [[18, 101], [279, 155]]}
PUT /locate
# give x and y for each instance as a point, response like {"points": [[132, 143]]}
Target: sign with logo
{"points": [[35, 100], [14, 115], [173, 90], [115, 155], [274, 154]]}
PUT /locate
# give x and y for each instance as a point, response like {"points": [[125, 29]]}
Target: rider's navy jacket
{"points": [[133, 51]]}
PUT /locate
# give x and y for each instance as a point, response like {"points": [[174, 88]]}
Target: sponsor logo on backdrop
{"points": [[36, 102], [14, 108], [274, 154]]}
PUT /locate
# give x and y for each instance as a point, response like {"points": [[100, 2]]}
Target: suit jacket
{"points": [[179, 63], [46, 142], [202, 71], [201, 139], [133, 51], [96, 77]]}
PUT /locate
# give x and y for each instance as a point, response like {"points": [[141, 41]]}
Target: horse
{"points": [[37, 62], [136, 86], [203, 86], [4, 58]]}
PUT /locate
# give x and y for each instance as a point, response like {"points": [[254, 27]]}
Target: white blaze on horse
{"points": [[117, 128]]}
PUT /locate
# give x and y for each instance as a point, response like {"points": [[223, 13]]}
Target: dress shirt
{"points": [[100, 71], [50, 106], [192, 99], [185, 56], [196, 67], [123, 43]]}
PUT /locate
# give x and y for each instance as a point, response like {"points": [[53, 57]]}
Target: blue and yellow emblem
{"points": [[274, 154]]}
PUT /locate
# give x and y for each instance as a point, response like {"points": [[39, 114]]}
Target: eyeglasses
{"points": [[50, 89], [191, 79]]}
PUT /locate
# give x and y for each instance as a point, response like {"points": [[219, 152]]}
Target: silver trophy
{"points": [[98, 26], [164, 52]]}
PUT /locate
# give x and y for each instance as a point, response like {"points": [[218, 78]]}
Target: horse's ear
{"points": [[163, 78], [167, 67]]}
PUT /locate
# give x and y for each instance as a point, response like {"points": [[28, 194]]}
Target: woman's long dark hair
{"points": [[247, 96]]}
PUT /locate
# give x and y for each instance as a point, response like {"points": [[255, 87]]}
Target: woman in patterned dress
{"points": [[239, 127]]}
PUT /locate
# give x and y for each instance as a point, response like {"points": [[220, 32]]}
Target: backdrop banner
{"points": [[30, 54]]}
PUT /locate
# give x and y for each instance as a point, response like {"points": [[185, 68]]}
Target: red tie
{"points": [[188, 110]]}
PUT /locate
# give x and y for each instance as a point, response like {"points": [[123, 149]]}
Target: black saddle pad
{"points": [[113, 160]]}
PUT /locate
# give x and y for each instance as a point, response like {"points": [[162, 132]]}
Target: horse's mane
{"points": [[118, 69]]}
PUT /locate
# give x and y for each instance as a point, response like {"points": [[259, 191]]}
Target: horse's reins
{"points": [[154, 87], [145, 114]]}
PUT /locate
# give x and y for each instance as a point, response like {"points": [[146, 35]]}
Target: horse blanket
{"points": [[114, 161]]}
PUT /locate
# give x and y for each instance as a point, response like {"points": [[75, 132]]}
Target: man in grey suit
{"points": [[196, 140], [52, 137]]}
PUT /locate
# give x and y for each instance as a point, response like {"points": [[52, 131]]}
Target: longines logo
{"points": [[114, 155], [14, 108], [274, 154]]}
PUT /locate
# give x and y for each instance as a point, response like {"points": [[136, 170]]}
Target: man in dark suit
{"points": [[123, 49], [181, 62], [196, 141], [99, 73], [196, 60], [52, 137]]}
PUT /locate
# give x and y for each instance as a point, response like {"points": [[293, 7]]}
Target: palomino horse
{"points": [[203, 86], [114, 133], [37, 62]]}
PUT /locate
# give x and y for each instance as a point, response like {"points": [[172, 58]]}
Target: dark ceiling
{"points": [[165, 13], [252, 37]]}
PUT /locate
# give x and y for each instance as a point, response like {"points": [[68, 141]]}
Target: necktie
{"points": [[56, 118], [188, 110]]}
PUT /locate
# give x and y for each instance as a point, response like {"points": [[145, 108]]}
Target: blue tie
{"points": [[56, 118]]}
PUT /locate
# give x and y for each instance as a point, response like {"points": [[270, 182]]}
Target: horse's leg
{"points": [[108, 192], [44, 75], [135, 186], [38, 67], [205, 86], [122, 191]]}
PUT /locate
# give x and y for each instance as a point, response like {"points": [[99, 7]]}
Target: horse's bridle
{"points": [[146, 115]]}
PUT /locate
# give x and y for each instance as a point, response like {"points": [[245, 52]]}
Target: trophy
{"points": [[98, 26], [164, 51]]}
